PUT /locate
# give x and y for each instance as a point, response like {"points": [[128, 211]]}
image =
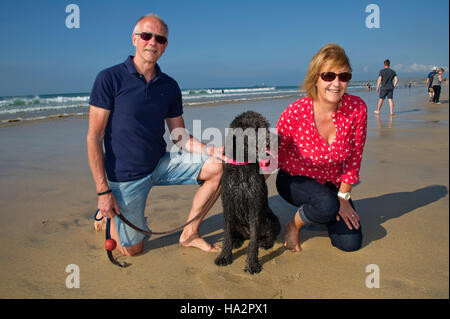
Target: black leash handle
{"points": [[109, 252]]}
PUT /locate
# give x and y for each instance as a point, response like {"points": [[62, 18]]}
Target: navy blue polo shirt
{"points": [[134, 140]]}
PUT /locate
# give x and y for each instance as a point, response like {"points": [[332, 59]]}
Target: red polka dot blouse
{"points": [[303, 151]]}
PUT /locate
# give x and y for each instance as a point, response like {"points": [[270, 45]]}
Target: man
{"points": [[129, 104], [388, 80], [436, 85], [430, 77]]}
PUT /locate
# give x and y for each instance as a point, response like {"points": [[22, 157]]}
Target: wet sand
{"points": [[48, 199]]}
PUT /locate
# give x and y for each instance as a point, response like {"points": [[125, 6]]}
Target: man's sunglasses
{"points": [[330, 76], [146, 36]]}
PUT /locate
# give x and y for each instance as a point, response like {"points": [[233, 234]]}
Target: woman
{"points": [[437, 79], [322, 136]]}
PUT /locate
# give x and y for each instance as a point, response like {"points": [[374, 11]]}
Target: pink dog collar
{"points": [[234, 162], [263, 163]]}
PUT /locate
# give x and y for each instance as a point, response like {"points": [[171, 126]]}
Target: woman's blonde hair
{"points": [[331, 55]]}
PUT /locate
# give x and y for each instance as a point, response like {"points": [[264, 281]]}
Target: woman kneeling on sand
{"points": [[322, 136]]}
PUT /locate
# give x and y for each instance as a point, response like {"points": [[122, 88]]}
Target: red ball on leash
{"points": [[110, 244]]}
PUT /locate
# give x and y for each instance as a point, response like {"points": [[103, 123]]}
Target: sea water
{"points": [[42, 106]]}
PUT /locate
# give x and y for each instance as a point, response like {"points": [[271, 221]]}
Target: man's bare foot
{"points": [[198, 242], [291, 241], [376, 112]]}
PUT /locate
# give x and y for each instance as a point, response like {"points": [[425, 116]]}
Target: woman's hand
{"points": [[348, 214]]}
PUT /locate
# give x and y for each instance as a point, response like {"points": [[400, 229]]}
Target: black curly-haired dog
{"points": [[244, 194]]}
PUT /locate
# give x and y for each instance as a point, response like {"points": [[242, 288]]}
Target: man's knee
{"points": [[132, 250], [211, 170]]}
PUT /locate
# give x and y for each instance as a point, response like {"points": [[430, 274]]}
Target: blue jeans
{"points": [[318, 204], [172, 169]]}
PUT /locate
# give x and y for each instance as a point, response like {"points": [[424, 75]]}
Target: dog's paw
{"points": [[253, 267], [223, 260]]}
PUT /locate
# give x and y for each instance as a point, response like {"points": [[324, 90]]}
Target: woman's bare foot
{"points": [[198, 242], [291, 241]]}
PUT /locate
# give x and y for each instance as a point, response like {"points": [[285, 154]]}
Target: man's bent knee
{"points": [[211, 170], [132, 250]]}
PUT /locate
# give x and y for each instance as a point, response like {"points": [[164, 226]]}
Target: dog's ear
{"points": [[271, 152]]}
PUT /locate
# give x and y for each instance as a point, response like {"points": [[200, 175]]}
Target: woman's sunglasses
{"points": [[146, 36], [330, 76]]}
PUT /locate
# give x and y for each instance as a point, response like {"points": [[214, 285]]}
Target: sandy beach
{"points": [[48, 200]]}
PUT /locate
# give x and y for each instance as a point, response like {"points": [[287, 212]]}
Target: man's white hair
{"points": [[151, 15]]}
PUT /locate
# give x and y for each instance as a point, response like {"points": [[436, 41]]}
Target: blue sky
{"points": [[215, 43]]}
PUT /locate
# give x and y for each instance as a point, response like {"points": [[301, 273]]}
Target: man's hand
{"points": [[217, 152], [107, 204]]}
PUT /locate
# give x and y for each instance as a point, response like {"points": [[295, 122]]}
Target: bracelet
{"points": [[105, 192]]}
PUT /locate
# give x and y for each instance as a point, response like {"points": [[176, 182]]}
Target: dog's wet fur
{"points": [[244, 195]]}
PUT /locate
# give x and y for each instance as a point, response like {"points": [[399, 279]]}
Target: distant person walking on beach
{"points": [[322, 137], [436, 84], [430, 77], [129, 106], [387, 81]]}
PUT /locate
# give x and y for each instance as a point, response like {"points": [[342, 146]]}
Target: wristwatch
{"points": [[345, 196]]}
